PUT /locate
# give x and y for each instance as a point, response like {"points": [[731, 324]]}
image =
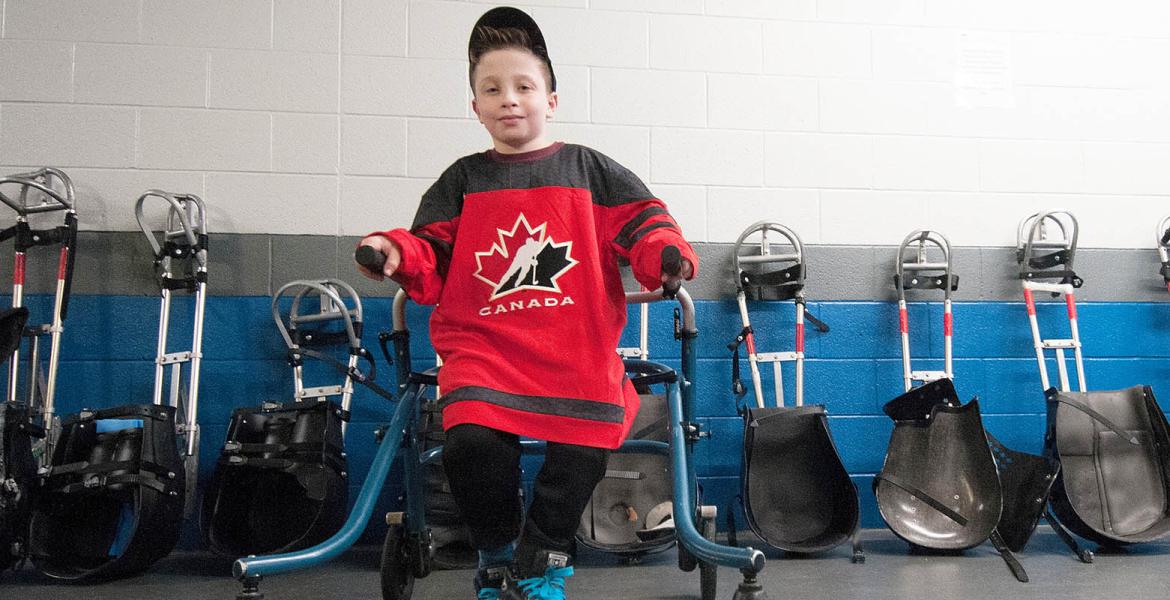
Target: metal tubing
{"points": [[161, 347], [1036, 231], [355, 524], [920, 241], [196, 362], [744, 559]]}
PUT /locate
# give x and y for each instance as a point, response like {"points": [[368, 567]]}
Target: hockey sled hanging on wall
{"points": [[1113, 447], [27, 413], [112, 499], [281, 483], [797, 495]]}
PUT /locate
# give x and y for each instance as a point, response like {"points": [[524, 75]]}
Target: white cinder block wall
{"points": [[838, 117]]}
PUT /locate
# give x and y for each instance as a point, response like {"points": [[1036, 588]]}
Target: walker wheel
{"points": [[397, 565], [708, 572]]}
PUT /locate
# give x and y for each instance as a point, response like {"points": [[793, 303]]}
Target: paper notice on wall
{"points": [[983, 71]]}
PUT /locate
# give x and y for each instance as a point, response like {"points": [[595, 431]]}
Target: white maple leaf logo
{"points": [[524, 258]]}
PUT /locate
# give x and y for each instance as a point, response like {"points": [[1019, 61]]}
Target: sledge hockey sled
{"points": [[112, 499], [938, 488], [281, 483], [1112, 446], [938, 441], [797, 495], [630, 512], [28, 417]]}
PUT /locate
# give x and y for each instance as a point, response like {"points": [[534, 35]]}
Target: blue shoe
{"points": [[549, 586], [488, 582]]}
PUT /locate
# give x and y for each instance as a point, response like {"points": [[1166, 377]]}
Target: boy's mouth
{"points": [[512, 119]]}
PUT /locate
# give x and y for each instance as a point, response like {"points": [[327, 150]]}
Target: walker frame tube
{"points": [[54, 190], [398, 435], [908, 272], [796, 257], [1034, 234], [332, 307], [186, 221]]}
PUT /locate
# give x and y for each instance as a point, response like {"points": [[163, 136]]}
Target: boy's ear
{"points": [[552, 103], [475, 108]]}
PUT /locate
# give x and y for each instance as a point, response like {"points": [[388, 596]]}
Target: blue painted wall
{"points": [[109, 341]]}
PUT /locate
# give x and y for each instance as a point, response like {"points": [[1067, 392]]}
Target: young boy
{"points": [[519, 247]]}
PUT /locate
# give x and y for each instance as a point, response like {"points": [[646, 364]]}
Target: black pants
{"points": [[483, 468]]}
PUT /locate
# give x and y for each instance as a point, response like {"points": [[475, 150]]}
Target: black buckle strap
{"points": [[1008, 557], [1166, 271], [1083, 554], [737, 386]]}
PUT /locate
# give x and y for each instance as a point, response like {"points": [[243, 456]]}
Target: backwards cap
{"points": [[506, 16]]}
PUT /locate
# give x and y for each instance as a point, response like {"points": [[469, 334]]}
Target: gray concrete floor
{"points": [[890, 571]]}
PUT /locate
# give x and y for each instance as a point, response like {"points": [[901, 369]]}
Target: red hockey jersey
{"points": [[520, 252]]}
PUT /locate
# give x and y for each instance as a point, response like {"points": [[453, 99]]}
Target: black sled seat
{"points": [[111, 502], [938, 487], [798, 495], [1114, 451], [280, 483]]}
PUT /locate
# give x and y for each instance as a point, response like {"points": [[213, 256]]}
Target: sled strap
{"points": [[737, 386], [1096, 416], [1008, 558], [92, 485], [250, 448], [1084, 554], [358, 376], [926, 498], [821, 326]]}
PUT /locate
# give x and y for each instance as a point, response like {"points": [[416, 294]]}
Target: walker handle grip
{"points": [[369, 258], [671, 265]]}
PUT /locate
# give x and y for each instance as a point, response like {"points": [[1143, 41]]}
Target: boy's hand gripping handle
{"points": [[671, 265], [369, 258]]}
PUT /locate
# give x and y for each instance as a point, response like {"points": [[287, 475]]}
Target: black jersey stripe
{"points": [[544, 405]]}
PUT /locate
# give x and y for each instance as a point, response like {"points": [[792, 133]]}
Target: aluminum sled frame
{"points": [[918, 271], [407, 541], [46, 190], [180, 258], [1045, 249]]}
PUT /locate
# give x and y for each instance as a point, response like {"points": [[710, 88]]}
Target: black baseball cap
{"points": [[507, 16]]}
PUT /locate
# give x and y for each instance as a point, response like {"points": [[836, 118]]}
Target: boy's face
{"points": [[512, 99]]}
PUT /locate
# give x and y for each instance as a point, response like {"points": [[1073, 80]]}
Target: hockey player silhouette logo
{"points": [[525, 258]]}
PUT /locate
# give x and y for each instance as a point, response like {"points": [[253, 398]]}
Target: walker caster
{"points": [[750, 588], [251, 589]]}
